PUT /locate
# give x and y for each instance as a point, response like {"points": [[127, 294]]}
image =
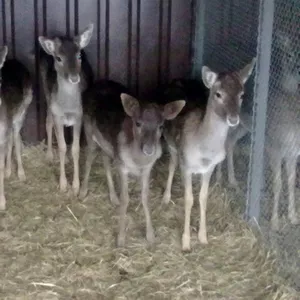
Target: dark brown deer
{"points": [[16, 96], [129, 133], [65, 73], [198, 136]]}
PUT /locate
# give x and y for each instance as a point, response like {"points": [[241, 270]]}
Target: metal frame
{"points": [[199, 39], [261, 91]]}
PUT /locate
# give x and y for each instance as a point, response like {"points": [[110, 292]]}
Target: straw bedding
{"points": [[54, 246]]}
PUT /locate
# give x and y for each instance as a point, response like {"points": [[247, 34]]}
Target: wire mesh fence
{"points": [[280, 202], [234, 33]]}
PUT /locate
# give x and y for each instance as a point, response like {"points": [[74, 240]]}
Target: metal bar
{"points": [[261, 91], [199, 39]]}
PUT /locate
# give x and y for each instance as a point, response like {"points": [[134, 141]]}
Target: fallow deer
{"points": [[15, 98], [65, 74], [197, 138], [128, 132], [282, 128]]}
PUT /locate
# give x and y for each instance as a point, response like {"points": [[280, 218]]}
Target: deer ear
{"points": [[84, 38], [130, 104], [172, 109], [3, 54], [208, 76], [247, 70], [47, 44]]}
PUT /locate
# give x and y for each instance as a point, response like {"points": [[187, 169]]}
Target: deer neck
{"points": [[213, 127]]}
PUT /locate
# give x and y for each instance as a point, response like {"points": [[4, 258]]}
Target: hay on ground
{"points": [[54, 246]]}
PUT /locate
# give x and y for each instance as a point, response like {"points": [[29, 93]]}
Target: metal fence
{"points": [[234, 32]]}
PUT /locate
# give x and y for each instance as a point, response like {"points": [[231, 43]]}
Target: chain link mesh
{"points": [[231, 33]]}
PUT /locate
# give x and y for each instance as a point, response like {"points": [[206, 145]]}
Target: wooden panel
{"points": [[139, 43]]}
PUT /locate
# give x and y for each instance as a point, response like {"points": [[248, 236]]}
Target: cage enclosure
{"points": [[143, 44]]}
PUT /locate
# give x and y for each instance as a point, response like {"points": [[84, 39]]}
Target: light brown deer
{"points": [[65, 73], [197, 138], [16, 96], [282, 128], [128, 132]]}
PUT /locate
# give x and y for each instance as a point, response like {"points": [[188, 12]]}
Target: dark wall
{"points": [[140, 43]]}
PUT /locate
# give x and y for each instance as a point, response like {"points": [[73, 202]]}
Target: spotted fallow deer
{"points": [[65, 74], [128, 131], [15, 98], [197, 138]]}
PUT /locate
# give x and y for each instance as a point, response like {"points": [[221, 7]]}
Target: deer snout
{"points": [[74, 79], [233, 120], [148, 149]]}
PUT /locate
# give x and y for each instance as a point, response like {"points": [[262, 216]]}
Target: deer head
{"points": [[226, 91], [67, 53], [148, 120]]}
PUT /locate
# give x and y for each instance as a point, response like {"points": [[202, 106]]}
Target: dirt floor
{"points": [[54, 246]]}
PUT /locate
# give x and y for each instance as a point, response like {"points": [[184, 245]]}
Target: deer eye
{"points": [[218, 95], [58, 58], [138, 124], [79, 56]]}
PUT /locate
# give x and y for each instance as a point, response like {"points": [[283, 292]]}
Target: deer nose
{"points": [[74, 79], [233, 120], [148, 150]]}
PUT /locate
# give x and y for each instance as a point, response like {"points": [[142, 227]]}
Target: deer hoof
{"points": [[275, 224], [121, 241], [50, 156], [63, 185], [202, 238], [150, 236], [114, 199], [166, 198], [2, 203], [83, 193], [7, 173], [21, 175], [294, 219], [186, 244]]}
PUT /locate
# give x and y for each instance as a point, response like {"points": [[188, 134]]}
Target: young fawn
{"points": [[282, 128], [129, 133], [65, 73], [16, 96], [197, 137]]}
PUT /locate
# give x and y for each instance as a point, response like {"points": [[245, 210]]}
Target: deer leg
{"points": [[9, 153], [62, 154], [49, 128], [172, 167], [75, 155], [111, 187], [123, 207], [277, 185], [291, 173], [219, 172], [18, 142], [90, 156], [2, 163], [145, 195], [230, 166], [188, 204], [203, 195]]}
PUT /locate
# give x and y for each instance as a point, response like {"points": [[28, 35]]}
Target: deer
{"points": [[15, 97], [282, 127], [128, 131], [65, 74], [196, 138]]}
